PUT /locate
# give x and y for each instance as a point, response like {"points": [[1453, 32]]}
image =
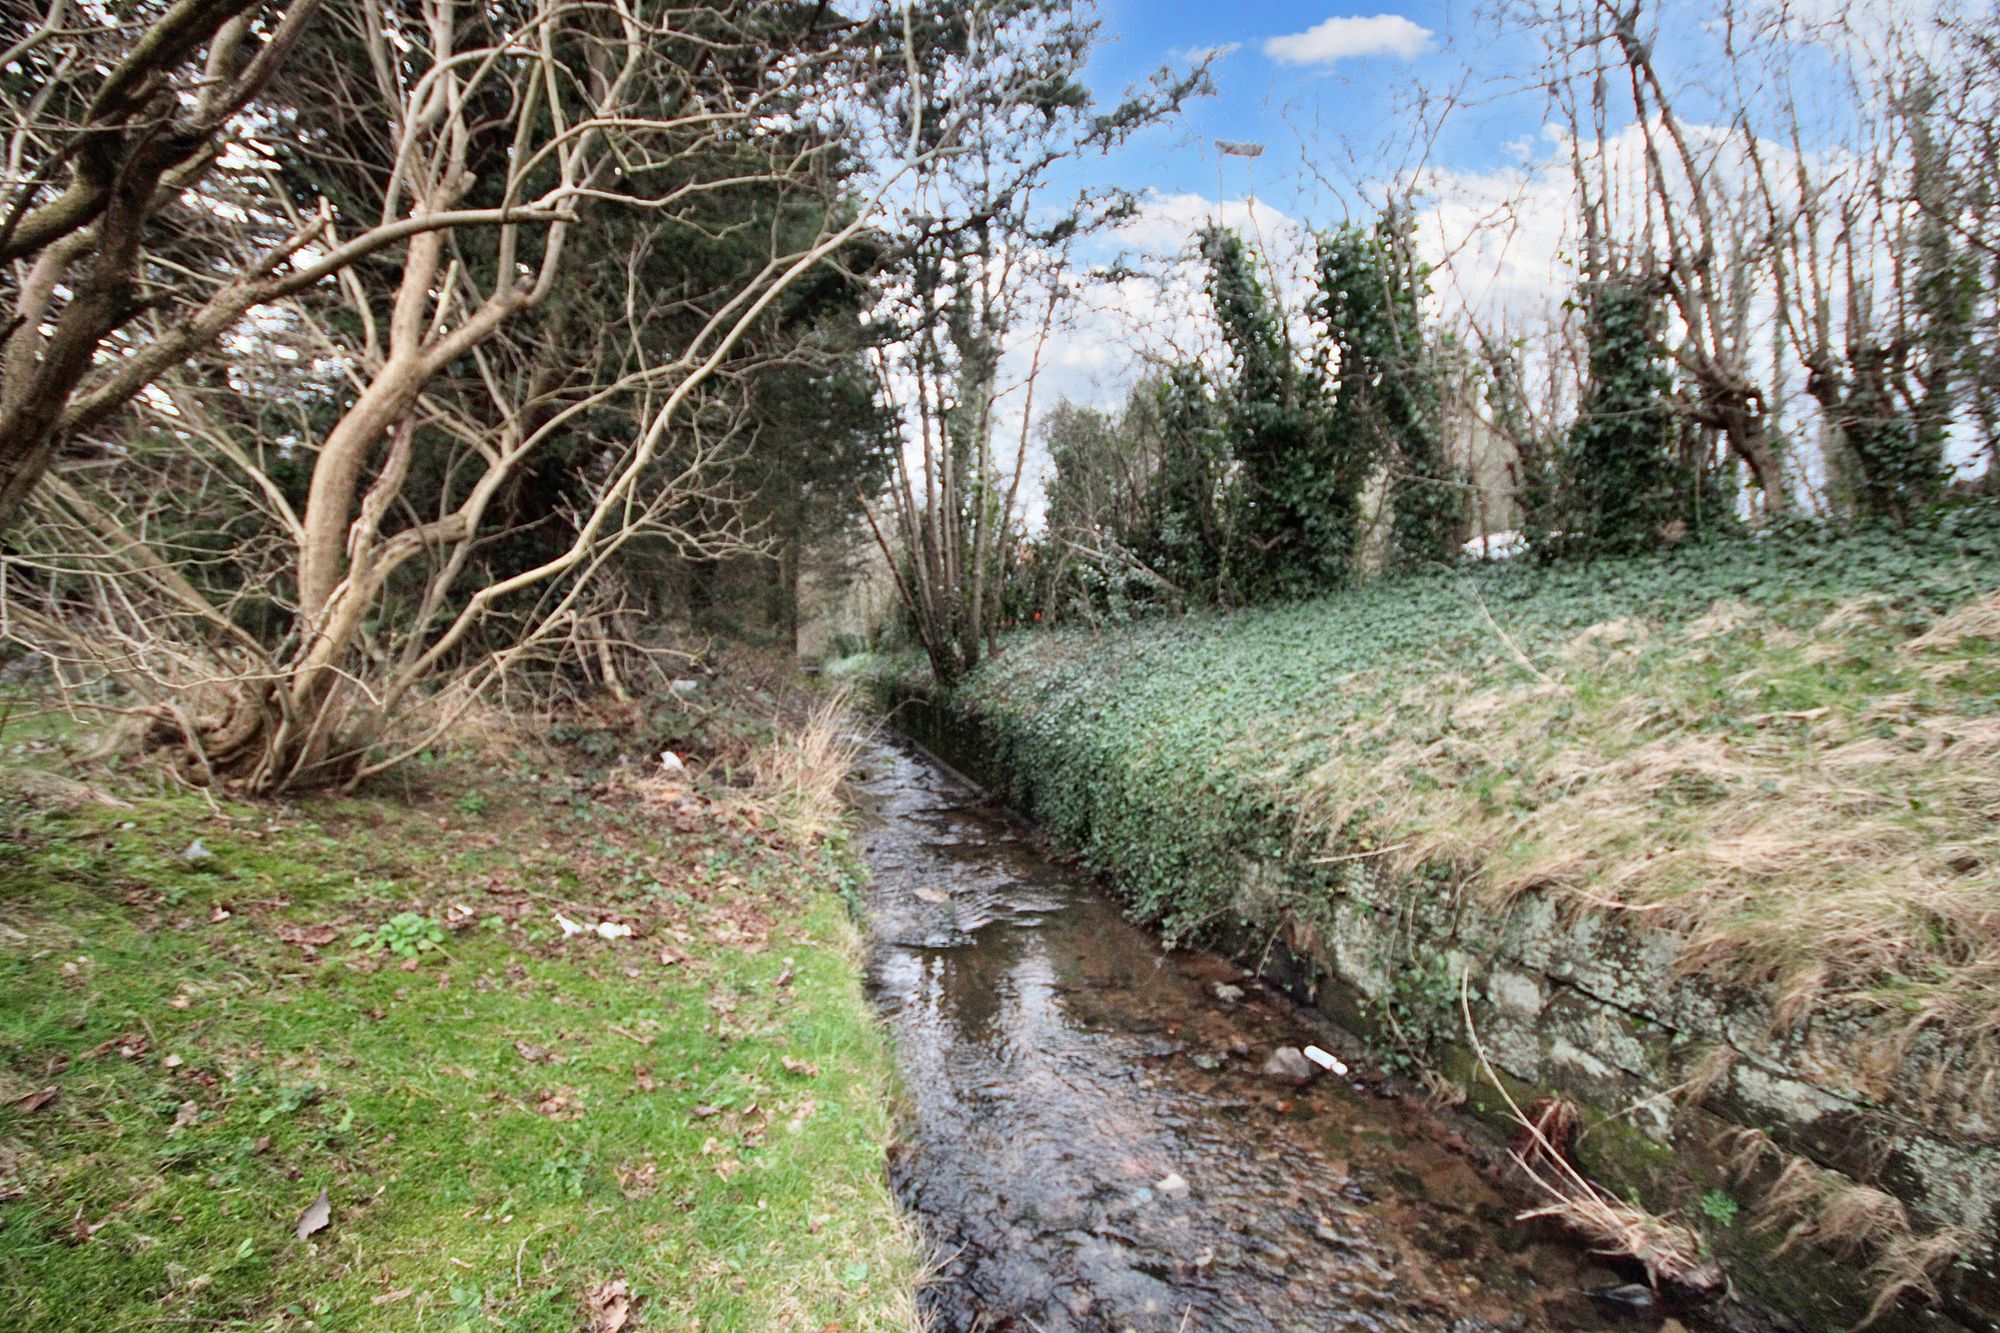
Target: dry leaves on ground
{"points": [[608, 1305]]}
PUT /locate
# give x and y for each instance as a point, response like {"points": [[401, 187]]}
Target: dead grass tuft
{"points": [[799, 778], [1977, 620], [1723, 617], [1854, 1221], [1706, 1075], [1670, 1253]]}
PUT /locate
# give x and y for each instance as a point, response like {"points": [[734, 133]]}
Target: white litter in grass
{"points": [[604, 930], [1326, 1061]]}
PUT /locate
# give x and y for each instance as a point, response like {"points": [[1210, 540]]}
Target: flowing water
{"points": [[1095, 1146]]}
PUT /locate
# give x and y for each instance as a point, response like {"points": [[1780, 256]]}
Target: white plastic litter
{"points": [[1326, 1062], [671, 765], [604, 930]]}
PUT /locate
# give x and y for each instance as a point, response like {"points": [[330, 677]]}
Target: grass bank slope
{"points": [[211, 1017], [1785, 751]]}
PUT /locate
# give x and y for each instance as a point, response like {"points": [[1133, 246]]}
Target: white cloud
{"points": [[1351, 38]]}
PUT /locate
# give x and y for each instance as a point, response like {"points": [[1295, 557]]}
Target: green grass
{"points": [[502, 1123], [1781, 748]]}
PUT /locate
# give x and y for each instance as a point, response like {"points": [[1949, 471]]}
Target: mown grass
{"points": [[1783, 749], [504, 1126]]}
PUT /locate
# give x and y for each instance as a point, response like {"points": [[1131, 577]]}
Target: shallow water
{"points": [[1064, 1071]]}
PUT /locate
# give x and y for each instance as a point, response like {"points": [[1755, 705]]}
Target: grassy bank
{"points": [[212, 1016], [1784, 750]]}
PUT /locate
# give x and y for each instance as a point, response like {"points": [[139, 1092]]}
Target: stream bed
{"points": [[1094, 1144]]}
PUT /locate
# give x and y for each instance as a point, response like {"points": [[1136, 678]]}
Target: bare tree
{"points": [[482, 141], [986, 285], [112, 118]]}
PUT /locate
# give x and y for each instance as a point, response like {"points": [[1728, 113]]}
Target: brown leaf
{"points": [[184, 1115], [704, 1112], [639, 1182], [35, 1101], [801, 1068], [533, 1054], [609, 1306], [316, 1218], [312, 937]]}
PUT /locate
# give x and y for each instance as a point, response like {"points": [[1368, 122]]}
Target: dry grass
{"points": [[1813, 812], [1670, 1253], [1852, 1220], [799, 778]]}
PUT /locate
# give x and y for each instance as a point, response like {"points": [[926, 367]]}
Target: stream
{"points": [[1094, 1144]]}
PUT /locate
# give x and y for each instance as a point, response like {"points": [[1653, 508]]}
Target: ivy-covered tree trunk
{"points": [[1625, 483], [1390, 398]]}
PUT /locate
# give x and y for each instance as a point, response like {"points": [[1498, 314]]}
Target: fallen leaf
{"points": [[185, 1115], [639, 1183], [609, 1305], [533, 1054], [704, 1112], [785, 977], [35, 1101], [311, 937], [800, 1067], [316, 1218]]}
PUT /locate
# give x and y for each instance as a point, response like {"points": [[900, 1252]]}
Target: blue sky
{"points": [[1339, 98], [1325, 87]]}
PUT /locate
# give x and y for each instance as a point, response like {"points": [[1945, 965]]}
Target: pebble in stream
{"points": [[1094, 1145]]}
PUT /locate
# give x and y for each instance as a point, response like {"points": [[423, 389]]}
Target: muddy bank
{"points": [[1096, 1142], [1692, 1106]]}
